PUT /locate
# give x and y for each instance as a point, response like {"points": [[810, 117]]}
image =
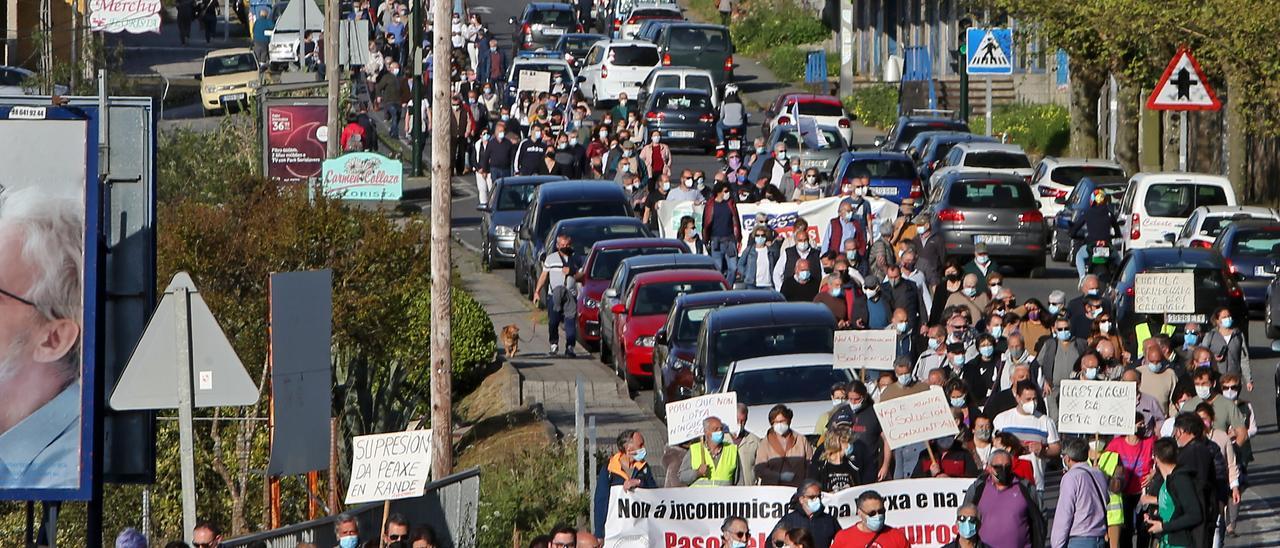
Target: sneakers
{"points": [[555, 347], [568, 353]]}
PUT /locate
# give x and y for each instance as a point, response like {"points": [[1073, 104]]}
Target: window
{"points": [[698, 82], [997, 160], [689, 325], [909, 132], [607, 260], [586, 235], [991, 194], [821, 139], [681, 101], [11, 77], [667, 81], [700, 39], [657, 298], [594, 56], [953, 157], [633, 56], [571, 210], [556, 18], [515, 197], [819, 108], [1213, 226], [770, 340], [230, 64], [1180, 199], [1258, 244], [1071, 175], [787, 384], [882, 169]]}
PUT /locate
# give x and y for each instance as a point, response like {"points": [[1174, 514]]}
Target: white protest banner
{"points": [[916, 418], [1164, 292], [866, 349], [781, 217], [671, 212], [133, 16], [684, 418], [389, 466], [690, 518], [1097, 407], [534, 80]]}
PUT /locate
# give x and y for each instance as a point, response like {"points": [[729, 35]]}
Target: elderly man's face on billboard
{"points": [[32, 341]]}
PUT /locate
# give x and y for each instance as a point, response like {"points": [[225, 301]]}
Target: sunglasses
{"points": [[394, 538], [1230, 387], [878, 512]]}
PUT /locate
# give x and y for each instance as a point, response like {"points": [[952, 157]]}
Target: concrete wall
{"points": [[1039, 88]]}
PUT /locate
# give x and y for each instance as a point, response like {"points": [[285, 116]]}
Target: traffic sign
{"points": [[989, 51], [1183, 86]]}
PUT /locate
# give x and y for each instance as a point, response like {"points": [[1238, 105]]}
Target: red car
{"points": [[602, 261], [644, 309]]}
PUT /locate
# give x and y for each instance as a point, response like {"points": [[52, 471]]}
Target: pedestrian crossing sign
{"points": [[989, 51]]}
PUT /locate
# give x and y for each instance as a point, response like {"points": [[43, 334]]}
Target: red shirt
{"points": [[351, 129], [853, 537]]}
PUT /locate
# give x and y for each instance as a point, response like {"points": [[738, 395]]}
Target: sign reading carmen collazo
{"points": [[363, 176]]}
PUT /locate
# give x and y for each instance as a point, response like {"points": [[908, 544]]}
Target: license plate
{"points": [[553, 32], [814, 163], [233, 97], [1261, 270], [681, 134], [734, 143], [1101, 252], [1183, 318], [884, 191], [992, 239]]}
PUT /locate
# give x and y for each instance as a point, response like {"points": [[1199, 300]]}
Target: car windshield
{"points": [[586, 235], [571, 210], [882, 169], [688, 325], [770, 340], [657, 298], [607, 260], [910, 131], [230, 64], [1207, 279], [702, 39], [787, 384], [991, 194], [1180, 199], [1071, 175], [997, 160], [683, 101], [558, 18], [819, 108], [1257, 244], [515, 197], [820, 139], [633, 56]]}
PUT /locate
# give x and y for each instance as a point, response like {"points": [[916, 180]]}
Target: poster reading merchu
{"points": [[363, 176], [133, 16]]}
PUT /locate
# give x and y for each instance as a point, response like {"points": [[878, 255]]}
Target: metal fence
{"points": [[448, 506]]}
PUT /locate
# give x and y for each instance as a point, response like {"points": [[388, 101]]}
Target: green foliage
{"points": [[786, 62], [1038, 129], [875, 105], [200, 165], [769, 24], [533, 492]]}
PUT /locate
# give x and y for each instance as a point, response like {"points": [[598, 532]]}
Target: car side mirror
{"points": [[660, 337], [1170, 237], [582, 79], [879, 141], [483, 207], [611, 293], [618, 309]]}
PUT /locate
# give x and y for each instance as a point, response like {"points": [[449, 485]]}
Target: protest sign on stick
{"points": [[684, 417], [389, 466], [916, 418], [1097, 407]]}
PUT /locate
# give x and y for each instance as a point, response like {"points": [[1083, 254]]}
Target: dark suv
{"points": [[997, 209], [748, 331], [684, 118], [903, 132], [542, 24], [553, 202], [698, 45]]}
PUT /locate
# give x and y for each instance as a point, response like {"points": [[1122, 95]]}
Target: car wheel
{"points": [[633, 384], [518, 272], [606, 353], [1036, 269], [486, 257], [1269, 322], [1055, 247], [659, 397]]}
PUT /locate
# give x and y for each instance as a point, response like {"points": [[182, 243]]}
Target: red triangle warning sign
{"points": [[1183, 86]]}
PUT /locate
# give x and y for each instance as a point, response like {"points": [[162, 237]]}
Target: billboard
{"points": [[363, 176], [49, 281], [296, 136]]}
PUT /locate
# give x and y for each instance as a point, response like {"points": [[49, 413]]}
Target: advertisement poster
{"points": [[46, 375], [296, 140], [133, 16], [363, 176]]}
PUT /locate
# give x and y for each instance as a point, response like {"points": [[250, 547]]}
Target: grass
{"points": [[773, 32], [1040, 129], [875, 105]]}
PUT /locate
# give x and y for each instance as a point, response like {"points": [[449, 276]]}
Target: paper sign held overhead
{"points": [[1183, 86], [866, 349], [684, 417], [389, 466], [1164, 292], [916, 418], [1097, 407]]}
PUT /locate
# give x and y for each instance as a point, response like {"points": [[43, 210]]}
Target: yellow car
{"points": [[229, 78]]}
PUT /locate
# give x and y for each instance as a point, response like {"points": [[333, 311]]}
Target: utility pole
{"points": [[332, 73], [415, 39], [441, 209]]}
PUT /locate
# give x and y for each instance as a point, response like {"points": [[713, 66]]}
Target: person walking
{"points": [[967, 524], [262, 25], [1013, 517], [725, 7], [559, 271], [722, 230], [1178, 505], [656, 156], [186, 13], [809, 515], [784, 455], [871, 529], [1080, 520], [756, 262], [387, 97], [1229, 348]]}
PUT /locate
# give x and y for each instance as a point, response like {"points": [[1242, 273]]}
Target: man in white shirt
{"points": [[1034, 429]]}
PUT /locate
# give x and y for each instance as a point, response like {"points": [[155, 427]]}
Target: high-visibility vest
{"points": [[1108, 462], [719, 473], [1142, 332]]}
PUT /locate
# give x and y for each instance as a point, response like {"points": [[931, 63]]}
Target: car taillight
{"points": [[1231, 267], [951, 216], [728, 63], [1235, 292], [1128, 291], [917, 191], [844, 122], [604, 71], [617, 24], [1027, 178], [654, 116], [1201, 243], [784, 120], [666, 59], [631, 21], [707, 118], [527, 31], [1134, 231], [1033, 216]]}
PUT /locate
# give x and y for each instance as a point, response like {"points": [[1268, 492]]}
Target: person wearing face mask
{"points": [[1016, 354], [1004, 400], [809, 189], [734, 533], [952, 281], [967, 524], [347, 528], [626, 468], [803, 249], [784, 455], [980, 372], [1133, 455], [1229, 348], [1227, 415], [388, 98], [776, 168], [801, 286], [905, 339], [1012, 514], [757, 260], [685, 189], [656, 155], [1058, 357], [854, 192], [879, 305], [1036, 322], [905, 227], [1231, 386], [1082, 325], [748, 444], [560, 272], [623, 161], [722, 230], [809, 516], [881, 256], [1035, 430], [479, 151], [983, 435], [871, 529], [1158, 379], [712, 461], [492, 67], [658, 192], [499, 155], [845, 306], [934, 354], [906, 384], [908, 265], [970, 296], [932, 254], [688, 233], [906, 295], [531, 153], [1081, 515], [982, 264], [566, 159], [839, 466]]}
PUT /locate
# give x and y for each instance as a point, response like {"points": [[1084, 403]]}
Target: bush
{"points": [[875, 105], [1043, 129], [786, 62], [532, 492], [474, 343], [769, 25]]}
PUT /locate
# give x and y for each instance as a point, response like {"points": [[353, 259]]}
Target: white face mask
{"points": [[1029, 407], [781, 428], [1202, 392]]}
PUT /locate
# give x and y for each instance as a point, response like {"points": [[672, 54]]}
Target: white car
{"points": [[680, 78], [802, 382], [13, 81], [639, 13], [1206, 222], [977, 156], [616, 67], [1159, 203], [1055, 177], [825, 110]]}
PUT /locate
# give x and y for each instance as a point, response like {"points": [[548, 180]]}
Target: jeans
{"points": [[496, 173], [556, 316], [1086, 542], [724, 253], [393, 114]]}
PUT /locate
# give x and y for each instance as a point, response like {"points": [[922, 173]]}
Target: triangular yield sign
{"points": [[1183, 86]]}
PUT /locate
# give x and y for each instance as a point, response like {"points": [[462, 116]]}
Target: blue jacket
{"points": [[611, 475], [483, 67], [747, 262]]}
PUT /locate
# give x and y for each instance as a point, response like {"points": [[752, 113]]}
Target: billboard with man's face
{"points": [[47, 184]]}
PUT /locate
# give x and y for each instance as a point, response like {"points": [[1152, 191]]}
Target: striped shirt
{"points": [[1029, 428]]}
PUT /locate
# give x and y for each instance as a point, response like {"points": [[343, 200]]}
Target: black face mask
{"points": [[1003, 474], [567, 250]]}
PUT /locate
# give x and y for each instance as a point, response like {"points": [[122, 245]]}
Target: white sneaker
{"points": [[554, 348]]}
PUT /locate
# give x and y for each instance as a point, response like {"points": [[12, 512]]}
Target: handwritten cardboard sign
{"points": [[1163, 292], [870, 349], [1097, 407], [916, 418], [389, 466], [684, 418], [533, 80]]}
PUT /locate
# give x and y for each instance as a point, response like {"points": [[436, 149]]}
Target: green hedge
{"points": [[875, 105], [473, 343], [532, 492], [1043, 129]]}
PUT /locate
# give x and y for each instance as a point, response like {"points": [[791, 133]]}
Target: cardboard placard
{"points": [[684, 418], [866, 349], [916, 418], [1097, 407], [389, 466], [1162, 292], [534, 80]]}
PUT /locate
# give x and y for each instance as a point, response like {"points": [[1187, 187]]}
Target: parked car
{"points": [[627, 271], [698, 45], [893, 176], [1055, 177], [542, 23], [1215, 286], [802, 382], [937, 147], [617, 67], [500, 217], [1271, 312], [601, 263], [1060, 242], [537, 65], [650, 28], [826, 110], [679, 78], [972, 207], [643, 309], [228, 78], [640, 13], [617, 9], [819, 148], [574, 47], [1207, 222], [584, 232], [989, 157], [16, 81], [762, 330], [906, 128], [674, 344], [1251, 249], [684, 117], [1159, 203], [553, 202]]}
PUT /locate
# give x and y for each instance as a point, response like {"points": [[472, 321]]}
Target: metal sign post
{"points": [[186, 445], [989, 108], [988, 52]]}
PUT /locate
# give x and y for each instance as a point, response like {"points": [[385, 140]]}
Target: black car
{"points": [[1073, 206], [1271, 312], [574, 46], [556, 201], [627, 271], [902, 133], [1215, 286], [685, 118], [1252, 251], [584, 232], [674, 345], [507, 205], [748, 331], [933, 150], [542, 23]]}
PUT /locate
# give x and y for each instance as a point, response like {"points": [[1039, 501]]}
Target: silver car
{"points": [[817, 147], [1000, 210]]}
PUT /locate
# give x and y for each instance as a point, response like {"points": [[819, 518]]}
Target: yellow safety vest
{"points": [[1108, 461], [722, 472], [1143, 332]]}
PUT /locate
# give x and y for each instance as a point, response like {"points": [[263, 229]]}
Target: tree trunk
{"points": [[1086, 82], [1236, 161], [1127, 126]]}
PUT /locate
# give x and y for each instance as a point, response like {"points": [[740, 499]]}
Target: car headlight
{"points": [[591, 303], [645, 341], [504, 232], [210, 89], [255, 84], [682, 364]]}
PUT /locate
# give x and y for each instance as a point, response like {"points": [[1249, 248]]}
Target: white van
{"points": [[1159, 203]]}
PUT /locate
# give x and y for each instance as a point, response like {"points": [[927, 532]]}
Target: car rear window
{"points": [[801, 383], [515, 197], [910, 131], [770, 340], [551, 213], [633, 56], [586, 235], [991, 195], [1071, 175], [667, 81], [654, 13], [1207, 279], [688, 326], [683, 101], [1257, 244], [657, 298], [230, 64], [997, 160], [701, 39], [818, 108], [1180, 199], [557, 18], [821, 139], [698, 82], [607, 260], [882, 169]]}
